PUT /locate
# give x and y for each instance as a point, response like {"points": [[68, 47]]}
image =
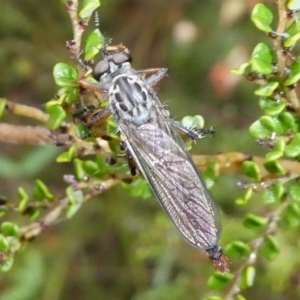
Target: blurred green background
{"points": [[117, 246]]}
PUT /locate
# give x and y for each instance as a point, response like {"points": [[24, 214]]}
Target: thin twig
{"points": [[32, 230], [227, 163], [72, 8], [255, 244], [27, 111], [24, 135], [282, 57]]}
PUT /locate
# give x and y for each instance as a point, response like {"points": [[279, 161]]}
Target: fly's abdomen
{"points": [[174, 178]]}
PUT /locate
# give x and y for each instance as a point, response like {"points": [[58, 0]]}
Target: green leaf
{"points": [[41, 191], [279, 126], [270, 248], [91, 167], [267, 89], [294, 74], [251, 169], [273, 166], [88, 7], [115, 147], [248, 277], [274, 193], [72, 210], [268, 122], [193, 122], [76, 199], [101, 162], [82, 131], [294, 192], [213, 298], [4, 244], [218, 281], [56, 116], [211, 174], [279, 144], [273, 155], [261, 59], [237, 249], [68, 95], [291, 41], [32, 212], [271, 107], [293, 148], [239, 297], [292, 28], [94, 43], [24, 199], [112, 127], [245, 198], [10, 229], [103, 168], [262, 17], [254, 222], [79, 170], [138, 188], [292, 215], [287, 121], [242, 70], [67, 156], [263, 127], [3, 103], [65, 75]]}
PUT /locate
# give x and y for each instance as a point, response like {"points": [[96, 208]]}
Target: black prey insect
{"points": [[153, 142]]}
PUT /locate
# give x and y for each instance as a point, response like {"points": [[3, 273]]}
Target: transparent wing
{"points": [[161, 157]]}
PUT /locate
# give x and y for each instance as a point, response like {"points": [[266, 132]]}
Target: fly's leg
{"points": [[98, 117], [84, 112], [194, 134], [91, 118], [157, 75], [131, 162]]}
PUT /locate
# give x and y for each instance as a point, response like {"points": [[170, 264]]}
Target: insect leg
{"points": [[98, 117], [194, 134], [84, 112], [94, 86], [131, 162], [157, 75]]}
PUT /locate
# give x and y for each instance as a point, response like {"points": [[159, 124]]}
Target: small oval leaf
{"points": [[65, 75], [262, 17]]}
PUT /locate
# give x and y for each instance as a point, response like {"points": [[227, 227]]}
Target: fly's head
{"points": [[116, 61]]}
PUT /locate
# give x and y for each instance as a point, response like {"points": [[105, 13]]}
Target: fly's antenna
{"points": [[86, 65], [97, 20], [106, 40]]}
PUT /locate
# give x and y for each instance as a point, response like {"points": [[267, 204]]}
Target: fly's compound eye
{"points": [[100, 68], [121, 57]]}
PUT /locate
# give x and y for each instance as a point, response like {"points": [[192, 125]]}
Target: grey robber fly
{"points": [[153, 141]]}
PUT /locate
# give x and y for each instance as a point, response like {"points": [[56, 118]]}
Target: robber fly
{"points": [[153, 141]]}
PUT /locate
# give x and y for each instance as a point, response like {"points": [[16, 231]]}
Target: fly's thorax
{"points": [[131, 99], [106, 80]]}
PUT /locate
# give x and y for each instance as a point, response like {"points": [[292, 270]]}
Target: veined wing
{"points": [[161, 157]]}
